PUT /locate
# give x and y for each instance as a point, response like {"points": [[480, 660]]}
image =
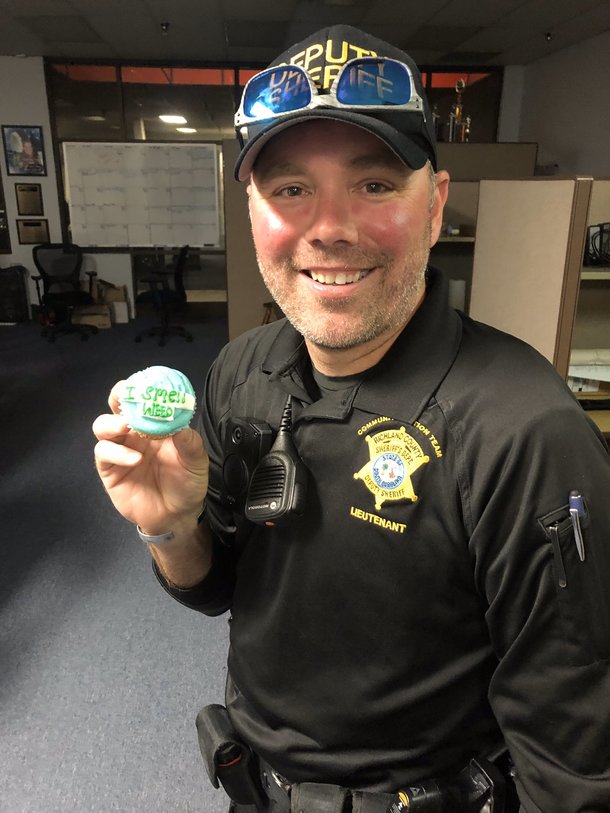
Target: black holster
{"points": [[227, 759], [479, 786]]}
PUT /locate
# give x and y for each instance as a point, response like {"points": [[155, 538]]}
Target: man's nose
{"points": [[332, 219]]}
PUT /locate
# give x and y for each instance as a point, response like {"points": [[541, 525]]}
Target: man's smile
{"points": [[342, 277]]}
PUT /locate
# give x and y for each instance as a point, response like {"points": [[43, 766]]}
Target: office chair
{"points": [[166, 289], [60, 265]]}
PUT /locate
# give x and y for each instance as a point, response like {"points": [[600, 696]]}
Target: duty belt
{"points": [[255, 787]]}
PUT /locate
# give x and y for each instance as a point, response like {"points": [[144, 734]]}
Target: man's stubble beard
{"points": [[394, 304]]}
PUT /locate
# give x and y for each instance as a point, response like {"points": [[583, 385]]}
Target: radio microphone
{"points": [[279, 482]]}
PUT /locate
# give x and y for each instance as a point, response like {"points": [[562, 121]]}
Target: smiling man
{"points": [[343, 230], [387, 490]]}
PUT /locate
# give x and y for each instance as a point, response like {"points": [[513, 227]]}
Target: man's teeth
{"points": [[337, 278]]}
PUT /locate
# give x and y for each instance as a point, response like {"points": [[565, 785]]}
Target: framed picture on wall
{"points": [[23, 150], [32, 232], [29, 199]]}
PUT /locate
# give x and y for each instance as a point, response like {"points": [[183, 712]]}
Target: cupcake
{"points": [[157, 402]]}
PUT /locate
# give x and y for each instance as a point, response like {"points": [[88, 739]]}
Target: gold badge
{"points": [[394, 456]]}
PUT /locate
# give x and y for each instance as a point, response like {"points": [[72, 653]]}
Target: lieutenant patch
{"points": [[394, 456]]}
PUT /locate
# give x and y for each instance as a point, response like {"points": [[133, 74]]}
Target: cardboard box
{"points": [[96, 315], [113, 293], [120, 314]]}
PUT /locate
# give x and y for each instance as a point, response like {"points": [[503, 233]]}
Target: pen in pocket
{"points": [[578, 516]]}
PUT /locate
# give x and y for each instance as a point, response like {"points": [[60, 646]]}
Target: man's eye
{"points": [[290, 191], [376, 187]]}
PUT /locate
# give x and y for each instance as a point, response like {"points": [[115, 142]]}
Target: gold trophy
{"points": [[458, 127]]}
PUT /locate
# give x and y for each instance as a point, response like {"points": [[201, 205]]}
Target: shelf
{"points": [[597, 274], [206, 295], [455, 240]]}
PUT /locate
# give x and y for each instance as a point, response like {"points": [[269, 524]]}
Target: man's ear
{"points": [[441, 191], [249, 199]]}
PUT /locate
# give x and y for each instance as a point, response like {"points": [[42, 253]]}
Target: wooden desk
{"points": [[600, 416]]}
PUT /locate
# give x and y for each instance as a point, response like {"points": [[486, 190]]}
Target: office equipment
{"points": [[597, 246], [60, 265], [13, 297], [166, 290], [142, 194]]}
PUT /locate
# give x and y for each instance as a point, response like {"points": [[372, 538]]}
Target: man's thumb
{"points": [[189, 446]]}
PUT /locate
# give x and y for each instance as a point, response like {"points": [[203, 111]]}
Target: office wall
{"points": [[565, 108], [23, 100], [509, 118]]}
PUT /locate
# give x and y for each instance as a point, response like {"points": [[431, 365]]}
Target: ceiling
{"points": [[253, 32]]}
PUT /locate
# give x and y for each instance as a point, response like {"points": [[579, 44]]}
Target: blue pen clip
{"points": [[578, 515]]}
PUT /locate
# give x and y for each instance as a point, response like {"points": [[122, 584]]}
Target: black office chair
{"points": [[60, 265], [166, 293]]}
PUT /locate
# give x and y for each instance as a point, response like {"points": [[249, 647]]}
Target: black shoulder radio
{"points": [[272, 477]]}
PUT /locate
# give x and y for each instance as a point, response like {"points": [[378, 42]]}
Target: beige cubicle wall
{"points": [[246, 293], [471, 162], [462, 205], [528, 258], [467, 165]]}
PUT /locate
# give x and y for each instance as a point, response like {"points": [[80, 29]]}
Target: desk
{"points": [[205, 273], [600, 416]]}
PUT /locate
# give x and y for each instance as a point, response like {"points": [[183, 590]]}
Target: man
{"points": [[415, 593]]}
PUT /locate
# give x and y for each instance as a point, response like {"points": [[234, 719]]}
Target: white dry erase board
{"points": [[142, 194]]}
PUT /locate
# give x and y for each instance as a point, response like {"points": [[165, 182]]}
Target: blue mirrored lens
{"points": [[278, 90], [374, 82]]}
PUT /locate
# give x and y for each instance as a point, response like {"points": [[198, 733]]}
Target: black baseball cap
{"points": [[409, 134]]}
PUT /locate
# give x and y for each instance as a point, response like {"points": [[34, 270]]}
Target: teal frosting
{"points": [[158, 401]]}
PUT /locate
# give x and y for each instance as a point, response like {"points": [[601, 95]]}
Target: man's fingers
{"points": [[113, 398], [109, 454], [110, 427]]}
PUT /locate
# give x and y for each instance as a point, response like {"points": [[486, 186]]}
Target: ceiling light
{"points": [[95, 118], [173, 119], [186, 129]]}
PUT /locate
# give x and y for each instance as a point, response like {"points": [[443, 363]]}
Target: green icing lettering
{"points": [[159, 395], [157, 411]]}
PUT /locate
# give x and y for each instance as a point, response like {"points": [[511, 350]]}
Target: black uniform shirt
{"points": [[416, 608]]}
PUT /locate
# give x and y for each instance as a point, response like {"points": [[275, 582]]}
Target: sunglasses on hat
{"points": [[365, 83]]}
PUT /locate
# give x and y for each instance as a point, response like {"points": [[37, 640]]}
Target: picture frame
{"points": [[32, 232], [24, 150], [29, 199]]}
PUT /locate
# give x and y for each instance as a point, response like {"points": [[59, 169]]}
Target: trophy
{"points": [[458, 126]]}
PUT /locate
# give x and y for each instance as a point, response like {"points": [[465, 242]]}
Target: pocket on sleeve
{"points": [[582, 592]]}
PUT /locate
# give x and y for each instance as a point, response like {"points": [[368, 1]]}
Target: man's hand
{"points": [[158, 484]]}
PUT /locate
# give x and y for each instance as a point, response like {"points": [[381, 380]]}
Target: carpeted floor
{"points": [[101, 673]]}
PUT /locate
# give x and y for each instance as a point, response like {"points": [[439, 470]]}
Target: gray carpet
{"points": [[101, 673]]}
